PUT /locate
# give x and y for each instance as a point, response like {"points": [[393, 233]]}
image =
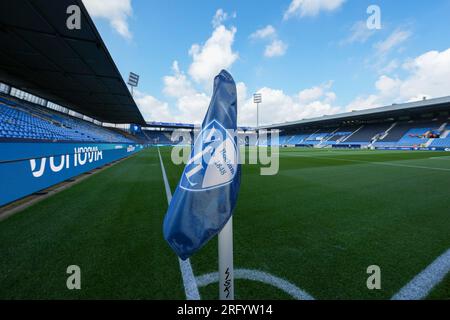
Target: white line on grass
{"points": [[420, 286], [256, 275], [378, 163], [190, 285], [446, 158]]}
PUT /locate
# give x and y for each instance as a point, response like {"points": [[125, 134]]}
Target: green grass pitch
{"points": [[318, 224]]}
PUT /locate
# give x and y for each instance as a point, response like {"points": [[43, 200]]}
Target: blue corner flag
{"points": [[208, 189]]}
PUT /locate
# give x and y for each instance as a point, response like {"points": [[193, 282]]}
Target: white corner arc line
{"points": [[421, 285], [261, 276], [189, 282]]}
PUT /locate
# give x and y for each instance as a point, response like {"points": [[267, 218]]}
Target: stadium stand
{"points": [[158, 137], [444, 138], [419, 133], [414, 137], [420, 125], [22, 120], [338, 135], [396, 132], [368, 132]]}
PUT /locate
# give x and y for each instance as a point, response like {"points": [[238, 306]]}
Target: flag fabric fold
{"points": [[206, 195]]}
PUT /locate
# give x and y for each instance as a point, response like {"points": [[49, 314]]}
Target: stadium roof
{"points": [[392, 111], [73, 68]]}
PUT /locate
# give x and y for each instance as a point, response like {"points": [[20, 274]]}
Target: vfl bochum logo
{"points": [[214, 159]]}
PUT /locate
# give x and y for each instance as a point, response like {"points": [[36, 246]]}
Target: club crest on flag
{"points": [[207, 192], [214, 159]]}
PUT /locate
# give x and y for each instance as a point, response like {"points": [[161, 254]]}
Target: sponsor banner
{"points": [[26, 168], [347, 146], [12, 151], [170, 124], [414, 148]]}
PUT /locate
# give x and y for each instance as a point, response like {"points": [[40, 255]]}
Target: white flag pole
{"points": [[226, 271]]}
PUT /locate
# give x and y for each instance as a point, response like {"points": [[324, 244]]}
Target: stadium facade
{"points": [[421, 125]]}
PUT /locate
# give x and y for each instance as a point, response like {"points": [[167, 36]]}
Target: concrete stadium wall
{"points": [[26, 168]]}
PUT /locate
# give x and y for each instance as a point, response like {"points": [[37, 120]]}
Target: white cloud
{"points": [[387, 85], [379, 60], [187, 109], [427, 76], [363, 102], [278, 107], [263, 33], [241, 91], [187, 103], [190, 105], [220, 17], [314, 93], [216, 54], [304, 8], [393, 40], [389, 67], [177, 85], [193, 108], [116, 12], [359, 33], [275, 49], [151, 108]]}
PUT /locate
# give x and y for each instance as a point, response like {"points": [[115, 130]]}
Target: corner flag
{"points": [[206, 195]]}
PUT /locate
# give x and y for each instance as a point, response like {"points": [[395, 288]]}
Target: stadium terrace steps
{"points": [[23, 121], [444, 140], [353, 133], [396, 133], [386, 135], [414, 137], [368, 132], [157, 137]]}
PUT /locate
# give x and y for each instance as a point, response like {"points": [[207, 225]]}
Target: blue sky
{"points": [[310, 57]]}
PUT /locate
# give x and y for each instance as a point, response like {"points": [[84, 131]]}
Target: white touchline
{"points": [[420, 286], [256, 275], [190, 285], [379, 163]]}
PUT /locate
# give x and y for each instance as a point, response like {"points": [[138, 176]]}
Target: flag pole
{"points": [[226, 270]]}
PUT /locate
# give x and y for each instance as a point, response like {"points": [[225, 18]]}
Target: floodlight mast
{"points": [[257, 98], [133, 80]]}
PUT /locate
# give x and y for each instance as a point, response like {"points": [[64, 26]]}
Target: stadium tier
{"points": [[24, 121], [366, 133], [384, 135], [157, 137]]}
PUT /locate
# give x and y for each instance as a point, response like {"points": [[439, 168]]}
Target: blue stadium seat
{"points": [[21, 120]]}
